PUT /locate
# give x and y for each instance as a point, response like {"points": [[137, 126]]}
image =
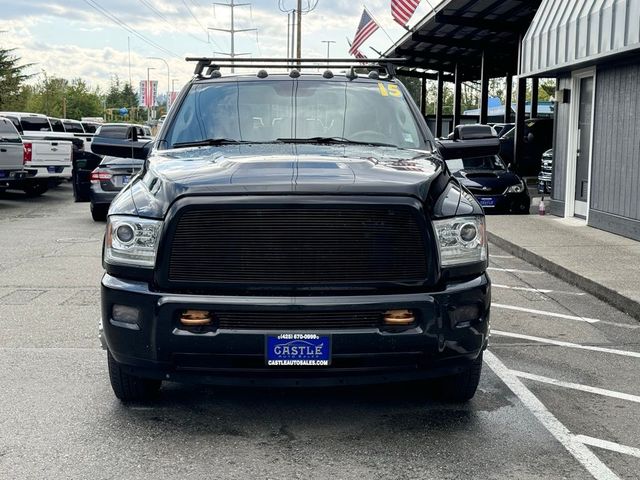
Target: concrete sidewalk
{"points": [[600, 263]]}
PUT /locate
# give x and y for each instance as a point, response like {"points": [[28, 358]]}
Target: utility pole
{"points": [[233, 30], [299, 40], [328, 42]]}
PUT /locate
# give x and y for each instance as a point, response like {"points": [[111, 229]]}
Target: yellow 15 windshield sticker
{"points": [[389, 90]]}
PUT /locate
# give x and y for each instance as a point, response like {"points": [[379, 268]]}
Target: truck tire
{"points": [[35, 189], [130, 388], [78, 195], [99, 212], [460, 387]]}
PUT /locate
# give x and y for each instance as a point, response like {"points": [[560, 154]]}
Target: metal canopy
{"points": [[458, 31], [568, 35]]}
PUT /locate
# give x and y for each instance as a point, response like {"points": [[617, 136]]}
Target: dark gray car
{"points": [[107, 180]]}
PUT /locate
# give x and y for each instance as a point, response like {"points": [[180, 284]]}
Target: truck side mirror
{"points": [[470, 141], [121, 147]]}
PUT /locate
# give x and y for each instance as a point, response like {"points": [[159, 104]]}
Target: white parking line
{"points": [[514, 270], [560, 343], [577, 386], [536, 290], [576, 448], [544, 312], [491, 255], [614, 447]]}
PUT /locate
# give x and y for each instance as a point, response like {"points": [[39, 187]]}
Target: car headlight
{"points": [[461, 240], [132, 241], [518, 188]]}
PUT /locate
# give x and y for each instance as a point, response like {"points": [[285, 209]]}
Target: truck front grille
{"points": [[298, 246], [291, 321]]}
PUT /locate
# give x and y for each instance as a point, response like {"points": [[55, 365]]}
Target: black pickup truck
{"points": [[296, 229]]}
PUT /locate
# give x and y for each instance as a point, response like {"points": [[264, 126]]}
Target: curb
{"points": [[606, 294]]}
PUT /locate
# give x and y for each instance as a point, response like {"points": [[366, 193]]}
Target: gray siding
{"points": [[560, 144], [615, 168]]}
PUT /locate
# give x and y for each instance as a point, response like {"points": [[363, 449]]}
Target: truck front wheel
{"points": [[460, 387], [130, 388]]}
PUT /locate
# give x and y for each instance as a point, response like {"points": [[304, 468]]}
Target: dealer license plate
{"points": [[487, 201], [125, 179], [298, 350]]}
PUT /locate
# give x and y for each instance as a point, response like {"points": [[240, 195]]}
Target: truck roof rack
{"points": [[213, 64]]}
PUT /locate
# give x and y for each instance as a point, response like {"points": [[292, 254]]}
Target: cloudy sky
{"points": [[89, 38]]}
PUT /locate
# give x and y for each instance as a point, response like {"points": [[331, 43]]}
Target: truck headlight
{"points": [[461, 240], [132, 241], [518, 188]]}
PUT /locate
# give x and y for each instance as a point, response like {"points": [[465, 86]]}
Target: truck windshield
{"points": [[290, 110]]}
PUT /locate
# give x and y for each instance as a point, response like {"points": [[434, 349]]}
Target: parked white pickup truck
{"points": [[47, 154]]}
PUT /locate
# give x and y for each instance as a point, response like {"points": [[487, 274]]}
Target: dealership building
{"points": [[592, 47]]}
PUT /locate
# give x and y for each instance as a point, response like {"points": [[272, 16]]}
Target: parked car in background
{"points": [[538, 138], [11, 154], [502, 128], [56, 125], [546, 173], [107, 180], [115, 130], [496, 188], [72, 126], [90, 127], [46, 152]]}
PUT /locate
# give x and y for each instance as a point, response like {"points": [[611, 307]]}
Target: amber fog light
{"points": [[399, 317], [195, 318], [125, 316]]}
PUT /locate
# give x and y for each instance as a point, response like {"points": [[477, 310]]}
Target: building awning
{"points": [[458, 31], [574, 33]]}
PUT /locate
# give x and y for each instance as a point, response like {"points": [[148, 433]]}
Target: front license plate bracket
{"points": [[298, 350]]}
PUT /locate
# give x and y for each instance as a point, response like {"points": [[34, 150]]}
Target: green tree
{"points": [[120, 95], [81, 101], [58, 97], [12, 78]]}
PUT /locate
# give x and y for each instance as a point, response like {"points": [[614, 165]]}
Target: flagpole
{"points": [[379, 24]]}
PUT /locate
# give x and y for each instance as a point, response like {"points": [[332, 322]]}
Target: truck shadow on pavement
{"points": [[288, 413]]}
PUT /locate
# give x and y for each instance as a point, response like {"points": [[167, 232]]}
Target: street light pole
{"points": [[328, 42], [168, 76], [148, 92]]}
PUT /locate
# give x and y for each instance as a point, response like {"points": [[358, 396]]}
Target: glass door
{"points": [[583, 152]]}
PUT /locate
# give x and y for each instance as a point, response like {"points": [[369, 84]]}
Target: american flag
{"points": [[359, 54], [366, 28], [402, 10]]}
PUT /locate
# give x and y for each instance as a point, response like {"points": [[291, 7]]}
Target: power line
{"points": [[166, 20], [131, 30], [233, 30], [194, 17]]}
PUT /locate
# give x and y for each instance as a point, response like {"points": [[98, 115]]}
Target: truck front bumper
{"points": [[451, 330]]}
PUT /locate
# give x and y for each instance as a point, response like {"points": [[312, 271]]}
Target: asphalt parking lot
{"points": [[558, 398]]}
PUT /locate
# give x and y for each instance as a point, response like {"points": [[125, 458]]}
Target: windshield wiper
{"points": [[334, 140], [210, 142]]}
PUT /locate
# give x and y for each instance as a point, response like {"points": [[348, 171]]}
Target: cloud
{"points": [[89, 38]]}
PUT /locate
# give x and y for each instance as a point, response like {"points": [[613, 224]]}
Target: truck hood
{"points": [[285, 169]]}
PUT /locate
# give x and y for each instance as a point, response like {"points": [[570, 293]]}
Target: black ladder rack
{"points": [[211, 64]]}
